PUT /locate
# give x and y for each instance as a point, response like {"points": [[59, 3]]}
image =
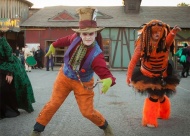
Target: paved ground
{"points": [[121, 106]]}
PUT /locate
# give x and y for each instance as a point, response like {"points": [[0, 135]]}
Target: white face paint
{"points": [[88, 38]]}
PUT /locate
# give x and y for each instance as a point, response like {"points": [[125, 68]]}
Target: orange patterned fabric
{"points": [[158, 61], [138, 53]]}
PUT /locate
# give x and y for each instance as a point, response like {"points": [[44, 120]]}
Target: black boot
{"points": [[10, 112]]}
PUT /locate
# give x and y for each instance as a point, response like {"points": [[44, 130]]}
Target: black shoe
{"points": [[10, 113]]}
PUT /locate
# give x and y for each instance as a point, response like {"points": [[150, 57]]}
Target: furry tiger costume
{"points": [[155, 75]]}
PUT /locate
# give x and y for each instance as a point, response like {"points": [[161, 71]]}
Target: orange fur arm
{"points": [[170, 38], [133, 62]]}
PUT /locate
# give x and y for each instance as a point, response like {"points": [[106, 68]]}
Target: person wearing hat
{"points": [[83, 57], [155, 75]]}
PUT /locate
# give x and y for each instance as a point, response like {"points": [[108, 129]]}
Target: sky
{"points": [[45, 3]]}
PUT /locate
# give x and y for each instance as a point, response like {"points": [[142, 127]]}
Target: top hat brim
{"points": [[88, 30]]}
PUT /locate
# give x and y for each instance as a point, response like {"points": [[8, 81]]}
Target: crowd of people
{"points": [[155, 77], [32, 58]]}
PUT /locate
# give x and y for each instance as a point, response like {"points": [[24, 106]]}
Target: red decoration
{"points": [[83, 70]]}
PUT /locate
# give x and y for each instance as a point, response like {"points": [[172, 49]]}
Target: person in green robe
{"points": [[16, 91]]}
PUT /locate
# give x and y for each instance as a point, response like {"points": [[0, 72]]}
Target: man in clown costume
{"points": [[83, 57], [155, 75]]}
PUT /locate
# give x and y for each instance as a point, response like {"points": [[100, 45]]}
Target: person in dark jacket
{"points": [[17, 51], [39, 57]]}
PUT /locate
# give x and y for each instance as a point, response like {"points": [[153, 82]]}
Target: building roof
{"points": [[27, 2], [110, 16]]}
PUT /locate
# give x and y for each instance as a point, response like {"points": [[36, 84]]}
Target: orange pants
{"points": [[62, 87]]}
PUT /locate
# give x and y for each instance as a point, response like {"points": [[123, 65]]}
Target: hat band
{"points": [[87, 23]]}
